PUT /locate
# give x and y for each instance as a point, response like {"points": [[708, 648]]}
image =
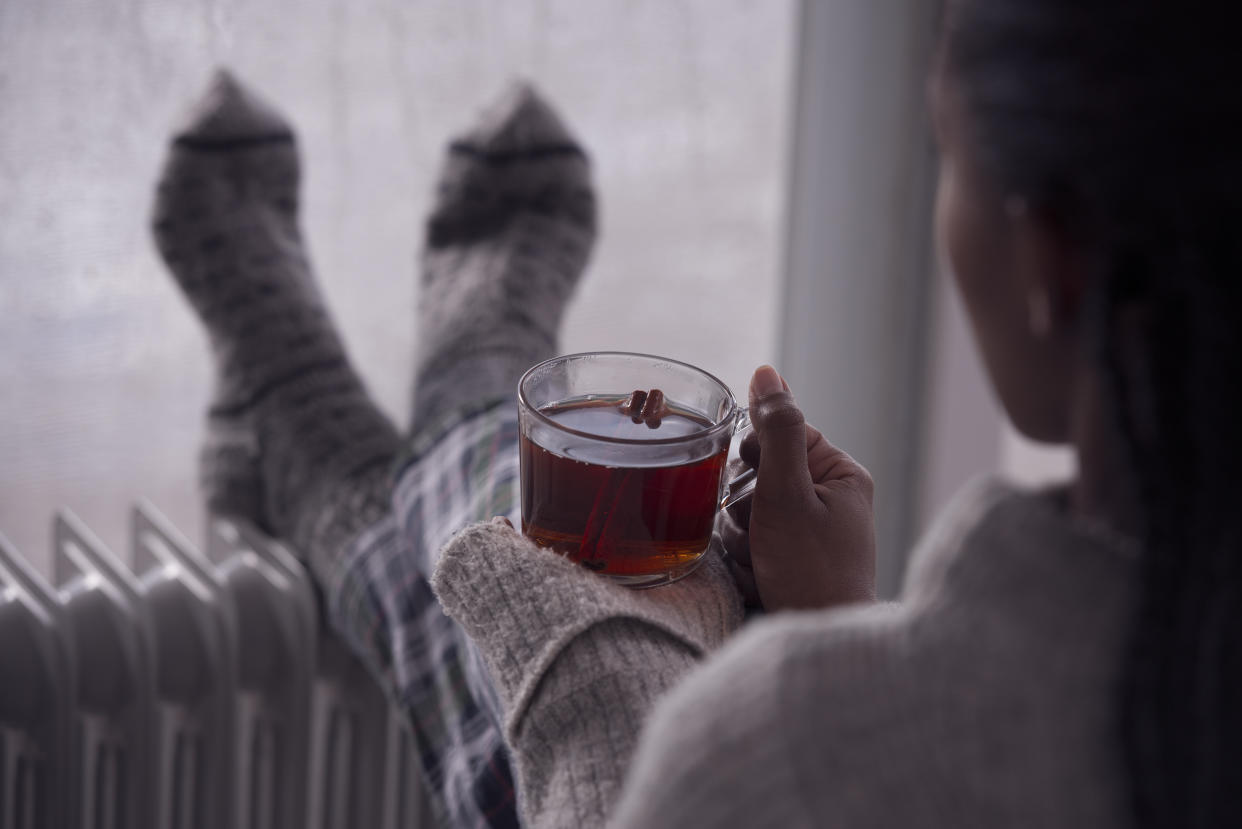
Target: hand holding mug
{"points": [[807, 536]]}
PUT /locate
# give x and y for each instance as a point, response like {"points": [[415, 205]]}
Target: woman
{"points": [[1063, 658], [1060, 658]]}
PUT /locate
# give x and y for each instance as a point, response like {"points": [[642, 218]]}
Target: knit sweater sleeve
{"points": [[578, 661]]}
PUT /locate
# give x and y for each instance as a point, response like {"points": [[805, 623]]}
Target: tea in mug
{"points": [[616, 519]]}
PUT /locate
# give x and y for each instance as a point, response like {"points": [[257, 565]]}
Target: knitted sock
{"points": [[506, 243], [294, 443]]}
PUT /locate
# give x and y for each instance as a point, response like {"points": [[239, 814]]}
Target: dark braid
{"points": [[1121, 121]]}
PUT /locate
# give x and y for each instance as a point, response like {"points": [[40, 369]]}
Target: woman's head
{"points": [[1085, 144], [1090, 204], [1002, 258]]}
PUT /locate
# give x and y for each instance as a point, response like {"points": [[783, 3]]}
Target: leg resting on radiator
{"points": [[296, 446]]}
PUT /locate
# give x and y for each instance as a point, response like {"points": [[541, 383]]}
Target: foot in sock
{"points": [[294, 443], [507, 241]]}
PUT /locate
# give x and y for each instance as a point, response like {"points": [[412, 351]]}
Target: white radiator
{"points": [[191, 692]]}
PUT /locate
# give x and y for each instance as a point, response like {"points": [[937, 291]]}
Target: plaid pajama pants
{"points": [[459, 471]]}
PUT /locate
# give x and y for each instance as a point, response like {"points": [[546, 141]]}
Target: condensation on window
{"points": [[104, 374]]}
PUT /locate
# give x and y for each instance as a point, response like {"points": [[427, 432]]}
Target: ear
{"points": [[1050, 268]]}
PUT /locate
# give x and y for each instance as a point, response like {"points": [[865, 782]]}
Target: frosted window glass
{"points": [[104, 375]]}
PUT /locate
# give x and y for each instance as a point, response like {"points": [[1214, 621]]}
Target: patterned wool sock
{"points": [[294, 443], [509, 237]]}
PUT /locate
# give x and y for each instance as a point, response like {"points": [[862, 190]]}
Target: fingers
{"points": [[748, 449], [824, 461], [735, 538], [819, 452], [829, 463], [782, 437]]}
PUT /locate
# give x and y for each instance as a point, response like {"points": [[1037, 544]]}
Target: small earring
{"points": [[1039, 312]]}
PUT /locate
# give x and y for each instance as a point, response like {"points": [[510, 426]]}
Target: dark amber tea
{"points": [[589, 501], [621, 461]]}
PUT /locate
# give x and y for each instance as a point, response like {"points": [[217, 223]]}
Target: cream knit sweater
{"points": [[985, 697]]}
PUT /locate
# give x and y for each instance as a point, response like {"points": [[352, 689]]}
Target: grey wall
{"points": [[855, 303]]}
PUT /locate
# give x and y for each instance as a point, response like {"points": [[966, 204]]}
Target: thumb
{"points": [[781, 427]]}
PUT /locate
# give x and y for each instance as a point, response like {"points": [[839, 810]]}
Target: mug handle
{"points": [[743, 486]]}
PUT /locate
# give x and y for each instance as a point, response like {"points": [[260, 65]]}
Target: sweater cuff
{"points": [[522, 605]]}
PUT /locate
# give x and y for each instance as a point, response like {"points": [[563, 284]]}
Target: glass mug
{"points": [[631, 499]]}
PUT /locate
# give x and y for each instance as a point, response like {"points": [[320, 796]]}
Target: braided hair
{"points": [[1121, 120]]}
